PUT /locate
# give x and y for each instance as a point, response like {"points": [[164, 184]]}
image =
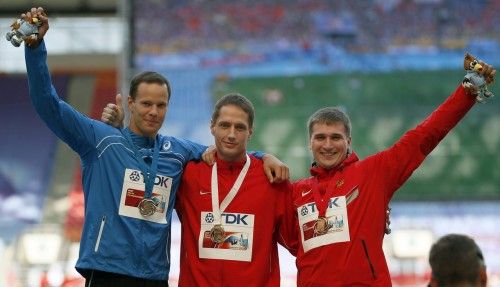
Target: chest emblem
{"points": [[339, 183]]}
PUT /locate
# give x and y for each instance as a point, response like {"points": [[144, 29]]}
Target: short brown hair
{"points": [[238, 100], [329, 115], [148, 77], [455, 259]]}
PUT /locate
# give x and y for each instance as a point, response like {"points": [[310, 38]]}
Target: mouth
{"points": [[328, 154], [229, 144], [151, 123]]}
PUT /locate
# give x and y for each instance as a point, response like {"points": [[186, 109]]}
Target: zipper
{"points": [[374, 275], [168, 249], [101, 228]]}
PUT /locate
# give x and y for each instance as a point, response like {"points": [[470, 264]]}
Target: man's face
{"points": [[329, 144], [231, 132], [148, 110]]}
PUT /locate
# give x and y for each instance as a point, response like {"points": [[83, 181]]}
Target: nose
{"points": [[328, 144], [153, 111], [232, 133]]}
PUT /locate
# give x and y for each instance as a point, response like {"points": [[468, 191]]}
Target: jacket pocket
{"points": [[99, 235], [359, 268], [367, 256]]}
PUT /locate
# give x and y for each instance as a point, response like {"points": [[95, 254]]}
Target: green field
{"points": [[382, 107]]}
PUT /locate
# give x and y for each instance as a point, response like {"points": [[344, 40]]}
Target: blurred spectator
{"points": [[357, 26], [456, 260]]}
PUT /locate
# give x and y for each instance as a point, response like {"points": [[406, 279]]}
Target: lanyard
{"points": [[322, 202], [148, 172], [216, 210]]}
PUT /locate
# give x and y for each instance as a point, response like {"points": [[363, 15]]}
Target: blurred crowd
{"points": [[355, 26]]}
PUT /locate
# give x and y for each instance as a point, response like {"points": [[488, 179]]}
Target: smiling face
{"points": [[231, 131], [148, 108], [329, 144]]}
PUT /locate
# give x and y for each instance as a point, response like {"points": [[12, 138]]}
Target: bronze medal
{"points": [[321, 226], [147, 207], [217, 234]]}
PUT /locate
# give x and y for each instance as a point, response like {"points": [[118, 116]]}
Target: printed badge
{"points": [[238, 236], [133, 192], [337, 223]]}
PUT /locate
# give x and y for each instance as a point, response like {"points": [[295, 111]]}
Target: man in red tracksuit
{"points": [[231, 214], [341, 208]]}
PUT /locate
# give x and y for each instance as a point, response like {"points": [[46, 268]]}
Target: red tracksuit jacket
{"points": [[351, 253], [257, 203]]}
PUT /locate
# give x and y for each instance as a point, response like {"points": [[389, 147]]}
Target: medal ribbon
{"points": [[148, 172], [322, 202], [216, 210]]}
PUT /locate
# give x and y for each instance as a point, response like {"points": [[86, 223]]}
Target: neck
{"points": [[140, 140], [327, 168], [232, 159], [139, 133]]}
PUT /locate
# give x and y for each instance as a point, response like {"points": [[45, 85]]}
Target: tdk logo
{"points": [[209, 218], [311, 207], [135, 176], [304, 211], [161, 181], [229, 218]]}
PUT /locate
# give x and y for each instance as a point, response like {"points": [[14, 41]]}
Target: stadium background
{"points": [[387, 63]]}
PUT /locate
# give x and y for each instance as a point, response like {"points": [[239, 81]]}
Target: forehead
{"points": [[328, 128], [155, 91], [232, 113]]}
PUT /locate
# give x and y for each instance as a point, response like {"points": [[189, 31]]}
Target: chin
{"points": [[150, 133], [327, 165], [231, 156]]}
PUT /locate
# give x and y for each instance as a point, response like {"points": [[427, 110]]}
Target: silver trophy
{"points": [[23, 30]]}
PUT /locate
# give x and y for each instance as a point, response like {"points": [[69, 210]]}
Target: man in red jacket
{"points": [[341, 209], [231, 214]]}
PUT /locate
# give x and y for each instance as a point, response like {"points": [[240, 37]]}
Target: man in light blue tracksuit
{"points": [[130, 176]]}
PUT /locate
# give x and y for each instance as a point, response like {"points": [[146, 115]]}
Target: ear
{"points": [[483, 276], [250, 132], [130, 103], [433, 283], [212, 128]]}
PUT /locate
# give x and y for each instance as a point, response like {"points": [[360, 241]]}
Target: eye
{"points": [[241, 127], [224, 125], [319, 137]]}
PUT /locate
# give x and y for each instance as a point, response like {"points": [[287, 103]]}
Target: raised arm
{"points": [[67, 123], [399, 161]]}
